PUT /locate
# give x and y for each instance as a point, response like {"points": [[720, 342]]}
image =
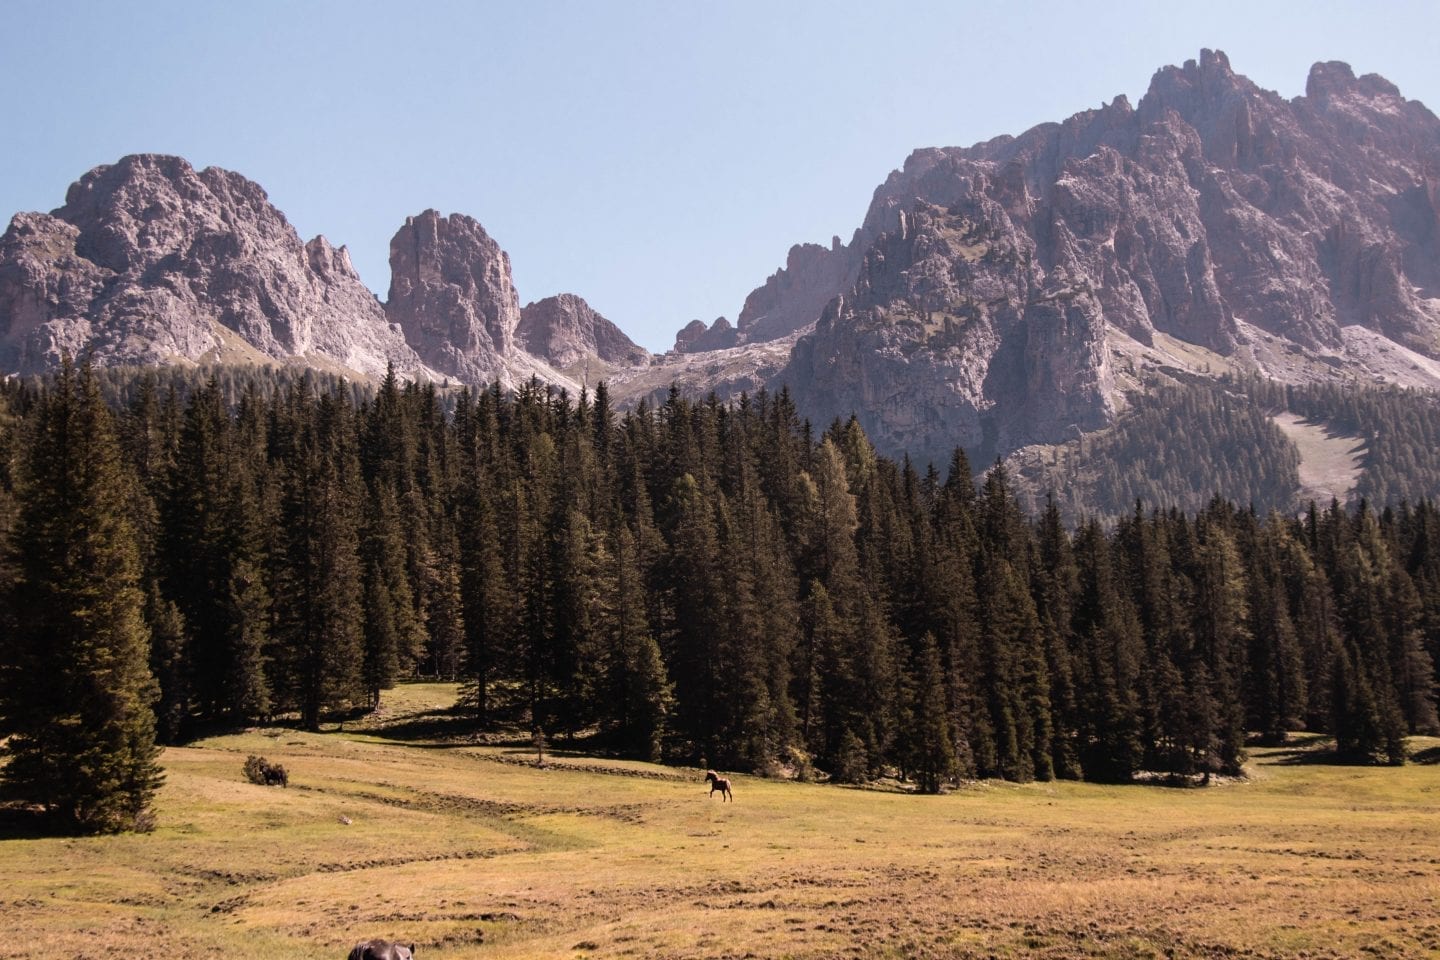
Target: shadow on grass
{"points": [[1428, 757], [434, 729], [1311, 756], [1322, 752], [19, 822]]}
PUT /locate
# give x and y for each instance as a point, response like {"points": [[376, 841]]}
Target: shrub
{"points": [[266, 774]]}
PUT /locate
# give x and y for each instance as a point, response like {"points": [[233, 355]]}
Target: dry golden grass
{"points": [[473, 852]]}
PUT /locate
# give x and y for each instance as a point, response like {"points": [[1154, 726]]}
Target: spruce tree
{"points": [[79, 692], [168, 665], [640, 693], [319, 606], [931, 752]]}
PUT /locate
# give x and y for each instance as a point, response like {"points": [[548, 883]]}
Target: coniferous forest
{"points": [[685, 581]]}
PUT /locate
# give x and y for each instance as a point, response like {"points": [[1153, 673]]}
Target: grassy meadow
{"points": [[470, 850]]}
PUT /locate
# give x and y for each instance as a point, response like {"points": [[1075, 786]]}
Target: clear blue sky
{"points": [[658, 159]]}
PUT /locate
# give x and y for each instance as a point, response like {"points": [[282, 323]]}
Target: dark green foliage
{"points": [[929, 751], [169, 666], [78, 695], [1400, 429], [1180, 444], [318, 626], [708, 581]]}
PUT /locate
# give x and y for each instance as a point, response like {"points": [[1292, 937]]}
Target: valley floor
{"points": [[471, 851]]}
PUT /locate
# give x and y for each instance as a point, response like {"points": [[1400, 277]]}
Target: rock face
{"points": [[450, 291], [995, 279], [564, 330], [950, 336], [795, 294], [695, 337], [151, 261]]}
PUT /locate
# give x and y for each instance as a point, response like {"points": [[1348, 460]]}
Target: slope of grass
{"points": [[1330, 461], [472, 851]]}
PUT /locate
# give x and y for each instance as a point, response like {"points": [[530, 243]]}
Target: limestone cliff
{"points": [[152, 261], [564, 330], [997, 280]]}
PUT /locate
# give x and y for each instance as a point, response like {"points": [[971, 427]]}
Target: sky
{"points": [[656, 158]]}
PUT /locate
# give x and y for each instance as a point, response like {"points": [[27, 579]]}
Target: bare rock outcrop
{"points": [[564, 330], [451, 292], [993, 296], [695, 337], [952, 336], [152, 261], [795, 294]]}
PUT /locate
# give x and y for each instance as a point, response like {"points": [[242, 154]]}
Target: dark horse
{"points": [[382, 950], [720, 783]]}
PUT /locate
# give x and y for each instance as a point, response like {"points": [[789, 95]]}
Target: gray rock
{"points": [[994, 296], [1214, 212], [695, 337], [150, 261], [795, 294], [564, 330], [451, 292]]}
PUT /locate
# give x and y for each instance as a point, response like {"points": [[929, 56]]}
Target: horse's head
{"points": [[382, 950], [711, 776]]}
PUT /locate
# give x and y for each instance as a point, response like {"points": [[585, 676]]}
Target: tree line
{"points": [[687, 580]]}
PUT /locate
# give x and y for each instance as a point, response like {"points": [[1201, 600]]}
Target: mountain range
{"points": [[1012, 293]]}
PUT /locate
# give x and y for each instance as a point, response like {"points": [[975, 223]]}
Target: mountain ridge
{"points": [[152, 261], [993, 297]]}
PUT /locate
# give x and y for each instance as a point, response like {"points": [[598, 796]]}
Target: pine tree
{"points": [[212, 542], [168, 665], [319, 605], [697, 597], [394, 639], [1106, 663], [79, 698], [640, 693], [931, 752], [1057, 581], [1275, 677], [1222, 636]]}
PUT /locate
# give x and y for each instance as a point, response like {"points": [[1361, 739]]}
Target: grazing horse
{"points": [[381, 950], [720, 783]]}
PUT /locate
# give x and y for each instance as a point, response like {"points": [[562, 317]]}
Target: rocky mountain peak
{"points": [[1211, 73], [1334, 78], [451, 292], [696, 337], [794, 295], [564, 330], [1215, 213], [329, 262], [152, 261]]}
